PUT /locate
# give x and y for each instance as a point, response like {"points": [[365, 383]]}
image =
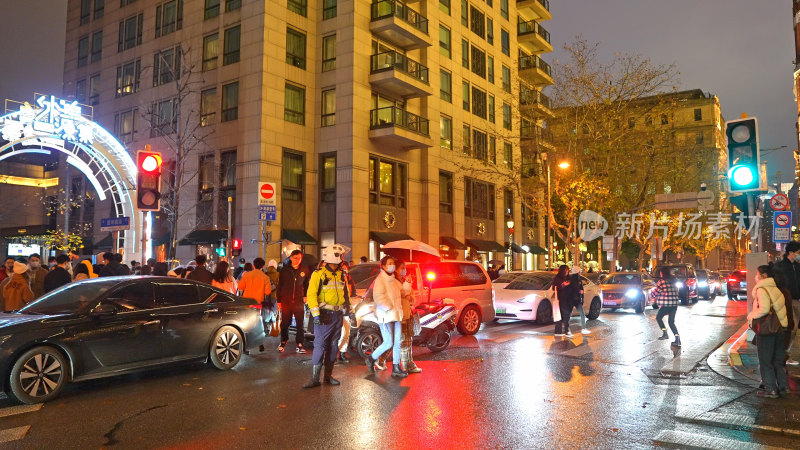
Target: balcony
{"points": [[532, 37], [533, 103], [535, 71], [396, 126], [397, 23], [534, 138], [398, 74], [538, 9]]}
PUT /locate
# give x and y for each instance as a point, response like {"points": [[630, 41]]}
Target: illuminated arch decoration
{"points": [[55, 125]]}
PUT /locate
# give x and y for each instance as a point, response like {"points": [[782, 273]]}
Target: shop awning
{"points": [[485, 246], [384, 237], [28, 230], [452, 242], [299, 237], [536, 250], [105, 243], [516, 248], [199, 237]]}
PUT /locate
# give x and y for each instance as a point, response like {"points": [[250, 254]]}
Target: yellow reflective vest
{"points": [[326, 288]]}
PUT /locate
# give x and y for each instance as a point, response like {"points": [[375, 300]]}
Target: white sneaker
{"points": [[585, 331], [569, 334], [559, 334], [792, 362], [380, 366]]}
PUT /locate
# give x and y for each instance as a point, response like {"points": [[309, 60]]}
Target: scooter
{"points": [[436, 322]]}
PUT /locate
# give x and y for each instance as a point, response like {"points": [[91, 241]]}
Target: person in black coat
{"points": [[789, 267], [59, 276], [112, 267], [561, 286], [292, 287], [200, 273]]}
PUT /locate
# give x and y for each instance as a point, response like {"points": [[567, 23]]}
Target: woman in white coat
{"points": [[389, 312], [771, 354]]}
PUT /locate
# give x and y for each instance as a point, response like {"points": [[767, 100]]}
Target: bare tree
{"points": [[179, 124]]}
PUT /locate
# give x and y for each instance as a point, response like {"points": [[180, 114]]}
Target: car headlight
{"points": [[679, 284], [632, 293], [702, 284], [527, 299]]}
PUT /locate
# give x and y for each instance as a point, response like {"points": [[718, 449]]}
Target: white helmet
{"points": [[333, 254]]}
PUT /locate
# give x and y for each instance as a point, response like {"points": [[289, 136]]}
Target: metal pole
{"points": [[547, 221], [260, 238], [144, 236], [229, 245], [67, 207], [114, 243], [751, 209]]}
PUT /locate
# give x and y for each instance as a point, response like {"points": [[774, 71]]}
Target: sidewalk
{"points": [[737, 360]]}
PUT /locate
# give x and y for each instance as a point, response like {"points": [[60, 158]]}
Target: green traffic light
{"points": [[742, 175]]}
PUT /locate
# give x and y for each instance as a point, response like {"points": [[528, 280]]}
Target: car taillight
{"points": [[430, 276], [691, 281], [732, 280]]}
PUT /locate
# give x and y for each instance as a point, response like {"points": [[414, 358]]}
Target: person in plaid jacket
{"points": [[665, 295]]}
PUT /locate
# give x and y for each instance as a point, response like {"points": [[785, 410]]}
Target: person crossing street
{"points": [[329, 301], [292, 286]]}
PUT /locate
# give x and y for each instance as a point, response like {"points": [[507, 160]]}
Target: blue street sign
{"points": [[267, 212], [115, 224], [782, 227]]}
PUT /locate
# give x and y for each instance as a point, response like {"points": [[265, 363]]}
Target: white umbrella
{"points": [[412, 247]]}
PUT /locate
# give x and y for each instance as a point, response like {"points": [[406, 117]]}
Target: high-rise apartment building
{"points": [[367, 116]]}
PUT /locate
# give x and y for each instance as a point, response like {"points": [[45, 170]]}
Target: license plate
{"points": [[609, 303], [500, 310]]}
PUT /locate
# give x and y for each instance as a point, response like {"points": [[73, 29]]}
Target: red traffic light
{"points": [[151, 163], [237, 244]]}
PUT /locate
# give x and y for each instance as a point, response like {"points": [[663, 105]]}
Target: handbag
{"points": [[416, 324], [556, 310], [767, 325]]}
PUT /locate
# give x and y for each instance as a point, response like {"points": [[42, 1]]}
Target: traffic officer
{"points": [[329, 302]]}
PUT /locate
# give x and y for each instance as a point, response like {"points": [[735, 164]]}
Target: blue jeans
{"points": [[392, 334]]}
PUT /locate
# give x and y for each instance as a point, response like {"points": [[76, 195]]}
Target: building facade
{"points": [[376, 121]]}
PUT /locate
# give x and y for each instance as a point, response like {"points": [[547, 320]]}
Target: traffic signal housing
{"points": [[236, 247], [744, 174], [148, 180]]}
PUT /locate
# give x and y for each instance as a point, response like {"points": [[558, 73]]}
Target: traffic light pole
{"points": [[144, 237], [751, 208], [229, 245]]}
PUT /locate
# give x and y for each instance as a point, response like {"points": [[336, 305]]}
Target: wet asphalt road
{"points": [[513, 385]]}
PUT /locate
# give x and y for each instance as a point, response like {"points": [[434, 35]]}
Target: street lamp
{"points": [[563, 165], [510, 225]]}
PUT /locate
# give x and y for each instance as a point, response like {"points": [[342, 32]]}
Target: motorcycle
{"points": [[432, 330]]}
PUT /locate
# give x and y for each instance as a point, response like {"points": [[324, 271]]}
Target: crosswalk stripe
{"points": [[14, 434], [704, 441], [21, 409]]}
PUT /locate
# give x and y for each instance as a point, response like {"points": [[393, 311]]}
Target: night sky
{"points": [[739, 50]]}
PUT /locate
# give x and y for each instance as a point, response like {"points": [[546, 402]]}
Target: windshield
{"points": [[69, 299], [676, 271], [532, 282], [623, 279], [508, 277], [364, 274]]}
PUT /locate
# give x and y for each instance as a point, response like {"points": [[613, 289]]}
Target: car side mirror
{"points": [[105, 309]]}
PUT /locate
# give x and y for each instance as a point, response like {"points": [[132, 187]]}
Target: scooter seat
{"points": [[428, 308]]}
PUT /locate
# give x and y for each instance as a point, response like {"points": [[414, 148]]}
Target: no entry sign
{"points": [[266, 194], [779, 202]]}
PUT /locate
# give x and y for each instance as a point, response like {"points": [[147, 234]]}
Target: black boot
{"points": [[316, 371], [370, 364], [664, 335], [343, 358], [328, 378], [677, 342], [398, 372]]}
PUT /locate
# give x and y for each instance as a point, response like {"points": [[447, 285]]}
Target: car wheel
{"points": [[544, 313], [470, 321], [226, 348], [38, 375], [640, 307], [594, 309], [367, 341], [439, 341]]}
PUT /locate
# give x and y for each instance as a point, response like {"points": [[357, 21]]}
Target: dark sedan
{"points": [[111, 326]]}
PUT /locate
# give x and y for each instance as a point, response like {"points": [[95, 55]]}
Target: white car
{"points": [[529, 297], [503, 280]]}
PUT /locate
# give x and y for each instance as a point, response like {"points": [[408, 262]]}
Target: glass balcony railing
{"points": [[387, 8], [530, 97], [534, 133], [394, 116], [534, 62], [532, 26], [393, 60]]}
